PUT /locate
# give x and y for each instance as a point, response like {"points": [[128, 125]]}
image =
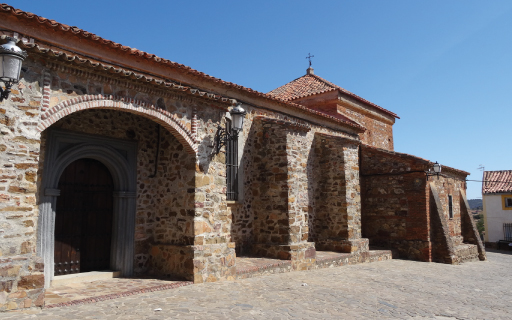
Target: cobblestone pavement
{"points": [[389, 289]]}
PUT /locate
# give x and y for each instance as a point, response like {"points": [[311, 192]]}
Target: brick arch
{"points": [[162, 117]]}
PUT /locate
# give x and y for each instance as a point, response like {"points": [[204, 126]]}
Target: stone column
{"points": [[336, 217], [213, 253], [279, 189], [46, 232], [123, 243]]}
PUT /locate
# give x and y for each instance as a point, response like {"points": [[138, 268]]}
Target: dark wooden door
{"points": [[83, 222]]}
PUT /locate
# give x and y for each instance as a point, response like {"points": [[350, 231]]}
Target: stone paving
{"points": [[90, 292], [247, 267], [389, 289]]}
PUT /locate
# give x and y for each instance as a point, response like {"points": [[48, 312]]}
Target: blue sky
{"points": [[445, 67]]}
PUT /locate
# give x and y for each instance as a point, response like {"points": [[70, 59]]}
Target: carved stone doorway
{"points": [[119, 158]]}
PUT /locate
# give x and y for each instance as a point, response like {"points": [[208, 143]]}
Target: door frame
{"points": [[120, 157]]}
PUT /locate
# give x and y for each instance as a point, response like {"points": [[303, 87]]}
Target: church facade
{"points": [[110, 160]]}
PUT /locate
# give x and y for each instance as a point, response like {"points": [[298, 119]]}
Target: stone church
{"points": [[116, 159]]}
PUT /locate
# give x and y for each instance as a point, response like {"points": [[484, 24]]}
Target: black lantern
{"points": [[437, 170], [11, 57], [237, 117], [237, 123]]}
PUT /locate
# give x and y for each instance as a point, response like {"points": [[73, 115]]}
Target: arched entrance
{"points": [[118, 158], [83, 219]]}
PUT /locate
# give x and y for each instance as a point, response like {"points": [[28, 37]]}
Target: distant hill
{"points": [[475, 203]]}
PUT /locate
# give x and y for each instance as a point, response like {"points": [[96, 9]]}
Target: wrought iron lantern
{"points": [[435, 172], [11, 57], [237, 123]]}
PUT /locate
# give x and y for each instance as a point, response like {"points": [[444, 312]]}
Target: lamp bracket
{"points": [[4, 93], [222, 137], [430, 173]]}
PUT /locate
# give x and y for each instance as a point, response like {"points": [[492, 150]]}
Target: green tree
{"points": [[480, 223]]}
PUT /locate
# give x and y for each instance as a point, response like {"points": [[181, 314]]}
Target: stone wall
{"points": [[335, 202], [214, 251], [394, 202], [278, 165], [449, 184], [408, 212], [21, 272], [184, 226], [165, 205], [454, 240], [279, 198]]}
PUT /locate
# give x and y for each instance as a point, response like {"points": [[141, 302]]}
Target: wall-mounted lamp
{"points": [[435, 172], [237, 123], [11, 57]]}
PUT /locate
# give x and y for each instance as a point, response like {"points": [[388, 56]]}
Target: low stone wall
{"points": [[214, 262], [20, 288], [265, 270], [348, 246], [348, 259], [254, 267], [302, 255], [406, 249], [466, 253], [169, 261]]}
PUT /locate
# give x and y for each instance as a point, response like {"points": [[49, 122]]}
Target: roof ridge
{"points": [[326, 81], [276, 92], [270, 92], [133, 51]]}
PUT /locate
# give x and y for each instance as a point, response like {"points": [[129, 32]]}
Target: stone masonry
{"points": [[281, 229], [335, 209], [21, 271], [406, 211]]}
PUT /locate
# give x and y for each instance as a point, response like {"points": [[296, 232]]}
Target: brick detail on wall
{"points": [[193, 129], [46, 92], [163, 117]]}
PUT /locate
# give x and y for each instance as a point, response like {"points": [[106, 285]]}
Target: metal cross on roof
{"points": [[309, 58]]}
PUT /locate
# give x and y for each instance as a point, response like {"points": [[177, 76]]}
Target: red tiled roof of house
{"points": [[497, 182], [141, 54], [311, 84]]}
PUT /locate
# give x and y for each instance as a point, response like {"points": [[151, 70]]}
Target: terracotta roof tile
{"points": [[311, 84], [425, 161], [185, 69], [497, 182]]}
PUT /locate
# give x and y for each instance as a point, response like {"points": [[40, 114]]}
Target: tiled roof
{"points": [[311, 84], [141, 54], [425, 161], [497, 182]]}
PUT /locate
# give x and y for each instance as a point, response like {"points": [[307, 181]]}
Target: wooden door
{"points": [[83, 222]]}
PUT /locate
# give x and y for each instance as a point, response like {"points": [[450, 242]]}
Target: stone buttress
{"points": [[335, 217], [280, 193]]}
